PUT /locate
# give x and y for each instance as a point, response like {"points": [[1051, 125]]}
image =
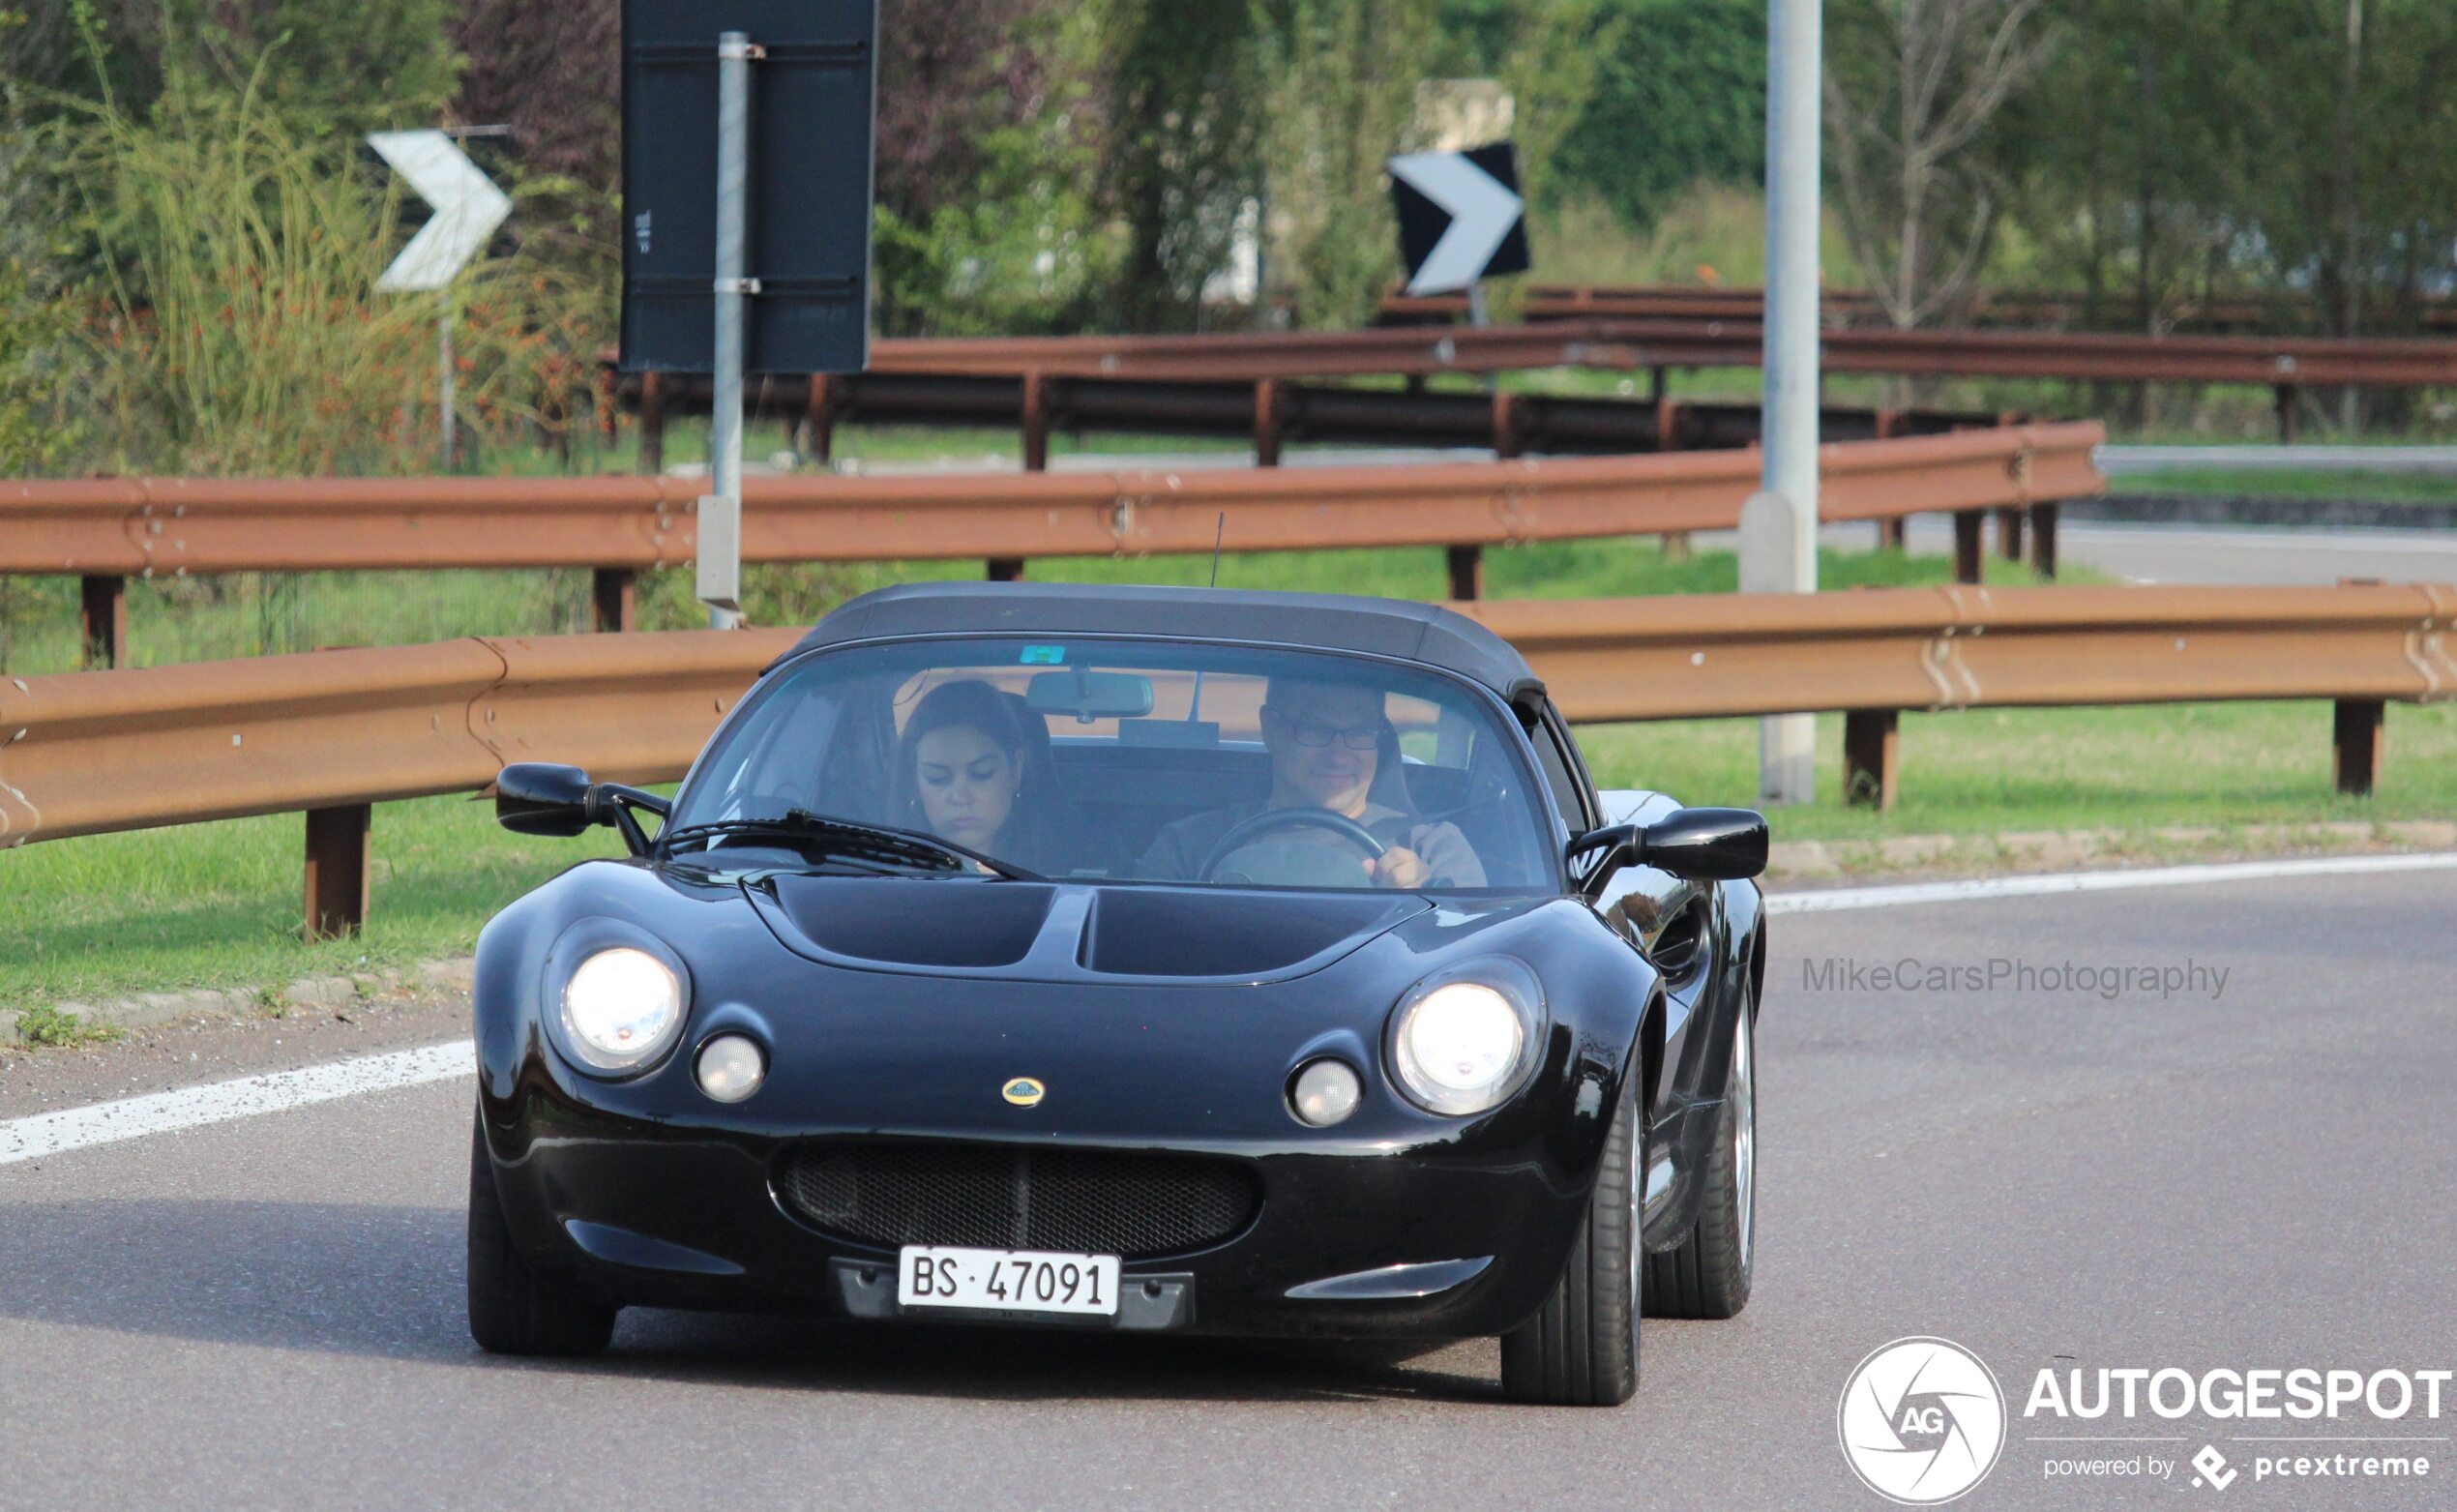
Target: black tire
{"points": [[1707, 1274], [1581, 1348], [513, 1310]]}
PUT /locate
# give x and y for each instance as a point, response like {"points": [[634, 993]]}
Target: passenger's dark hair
{"points": [[1032, 832]]}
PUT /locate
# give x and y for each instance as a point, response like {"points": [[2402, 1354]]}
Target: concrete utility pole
{"points": [[1779, 525]]}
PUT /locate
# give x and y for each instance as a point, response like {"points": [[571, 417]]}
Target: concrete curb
{"points": [[1799, 860], [331, 994], [2064, 850], [2227, 509]]}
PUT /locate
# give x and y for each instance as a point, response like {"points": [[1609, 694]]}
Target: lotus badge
{"points": [[1022, 1092]]}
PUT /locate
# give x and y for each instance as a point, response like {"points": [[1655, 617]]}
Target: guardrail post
{"points": [[1036, 422], [2290, 421], [1968, 525], [1266, 422], [2043, 519], [820, 414], [2359, 731], [1894, 532], [1006, 569], [615, 596], [2010, 532], [103, 619], [1671, 434], [1467, 572], [337, 853], [652, 423], [1872, 750]]}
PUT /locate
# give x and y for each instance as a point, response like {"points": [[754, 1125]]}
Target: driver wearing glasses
{"points": [[1333, 752]]}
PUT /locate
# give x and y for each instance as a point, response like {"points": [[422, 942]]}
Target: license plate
{"points": [[1007, 1281]]}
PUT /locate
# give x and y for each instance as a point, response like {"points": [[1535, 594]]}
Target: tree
{"points": [[554, 75], [1679, 96], [333, 67], [1179, 100], [1341, 100], [1911, 87]]}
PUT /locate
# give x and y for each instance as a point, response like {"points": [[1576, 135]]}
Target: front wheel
{"points": [[1707, 1274], [1581, 1348], [513, 1310]]}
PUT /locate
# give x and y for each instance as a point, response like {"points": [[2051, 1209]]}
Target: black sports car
{"points": [[1133, 959]]}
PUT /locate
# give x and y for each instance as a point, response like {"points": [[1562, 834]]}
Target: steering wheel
{"points": [[1339, 826]]}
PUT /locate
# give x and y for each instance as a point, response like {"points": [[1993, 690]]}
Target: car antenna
{"points": [[1195, 705]]}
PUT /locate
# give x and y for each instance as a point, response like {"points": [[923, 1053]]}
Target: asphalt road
{"points": [[267, 1312]]}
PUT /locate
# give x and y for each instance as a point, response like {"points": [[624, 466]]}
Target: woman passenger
{"points": [[969, 769]]}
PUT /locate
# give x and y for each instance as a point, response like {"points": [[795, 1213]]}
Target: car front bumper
{"points": [[1358, 1237]]}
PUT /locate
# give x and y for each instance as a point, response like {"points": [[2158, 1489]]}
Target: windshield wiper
{"points": [[852, 838]]}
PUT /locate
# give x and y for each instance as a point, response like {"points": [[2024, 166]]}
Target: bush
{"points": [[235, 319]]}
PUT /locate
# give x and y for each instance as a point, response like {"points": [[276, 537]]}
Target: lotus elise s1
{"points": [[1129, 958]]}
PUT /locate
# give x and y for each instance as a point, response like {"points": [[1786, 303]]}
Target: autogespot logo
{"points": [[1922, 1421]]}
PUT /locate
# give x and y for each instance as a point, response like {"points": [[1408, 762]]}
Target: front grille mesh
{"points": [[995, 1196]]}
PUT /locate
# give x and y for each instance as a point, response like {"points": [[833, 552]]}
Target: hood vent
{"points": [[1224, 932], [955, 922]]}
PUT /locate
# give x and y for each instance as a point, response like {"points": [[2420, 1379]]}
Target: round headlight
{"points": [[621, 1007], [1460, 1044]]}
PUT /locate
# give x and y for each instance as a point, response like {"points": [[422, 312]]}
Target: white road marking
{"points": [[1843, 898], [220, 1102], [189, 1108]]}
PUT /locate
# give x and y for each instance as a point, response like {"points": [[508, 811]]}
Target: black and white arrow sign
{"points": [[1460, 217], [468, 207]]}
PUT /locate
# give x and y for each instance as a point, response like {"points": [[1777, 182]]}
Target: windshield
{"points": [[1132, 760]]}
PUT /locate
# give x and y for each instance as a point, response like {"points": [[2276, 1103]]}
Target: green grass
{"points": [[2132, 769], [2266, 483], [218, 904]]}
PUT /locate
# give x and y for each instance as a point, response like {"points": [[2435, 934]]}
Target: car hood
{"points": [[1060, 932]]}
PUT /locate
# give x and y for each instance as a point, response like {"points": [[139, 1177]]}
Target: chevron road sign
{"points": [[1460, 217], [468, 207]]}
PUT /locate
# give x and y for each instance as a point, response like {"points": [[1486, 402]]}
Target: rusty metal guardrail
{"points": [[334, 732], [109, 530], [2015, 307], [2284, 364], [1624, 344], [1271, 413]]}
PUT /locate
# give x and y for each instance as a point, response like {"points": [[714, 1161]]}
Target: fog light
{"points": [[731, 1067], [1325, 1092]]}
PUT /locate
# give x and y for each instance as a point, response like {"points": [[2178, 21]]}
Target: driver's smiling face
{"points": [[1331, 775]]}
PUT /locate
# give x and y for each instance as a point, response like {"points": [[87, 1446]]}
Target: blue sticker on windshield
{"points": [[1045, 656]]}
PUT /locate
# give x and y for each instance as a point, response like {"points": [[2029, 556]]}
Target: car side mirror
{"points": [[1696, 844], [547, 798]]}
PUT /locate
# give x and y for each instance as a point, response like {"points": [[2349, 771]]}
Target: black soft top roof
{"points": [[1425, 633]]}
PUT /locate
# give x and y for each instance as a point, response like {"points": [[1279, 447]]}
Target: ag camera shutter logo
{"points": [[1922, 1420]]}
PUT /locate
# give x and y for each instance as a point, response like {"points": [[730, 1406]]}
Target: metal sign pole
{"points": [[445, 377], [1780, 554], [719, 569]]}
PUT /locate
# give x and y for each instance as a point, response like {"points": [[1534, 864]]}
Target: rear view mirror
{"points": [[1090, 695]]}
